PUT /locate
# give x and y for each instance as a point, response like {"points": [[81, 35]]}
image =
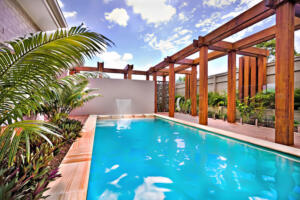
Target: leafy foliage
{"points": [[73, 94], [271, 46], [297, 98], [215, 99], [29, 68], [35, 63]]}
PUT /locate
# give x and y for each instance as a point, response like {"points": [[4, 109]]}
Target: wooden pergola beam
{"points": [[262, 36], [165, 72], [251, 16]]}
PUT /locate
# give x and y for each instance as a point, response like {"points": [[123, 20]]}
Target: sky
{"points": [[147, 31]]}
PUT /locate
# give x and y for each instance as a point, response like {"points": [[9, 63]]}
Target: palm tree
{"points": [[27, 70], [73, 94]]}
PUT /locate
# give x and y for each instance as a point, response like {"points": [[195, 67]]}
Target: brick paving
{"points": [[264, 133]]}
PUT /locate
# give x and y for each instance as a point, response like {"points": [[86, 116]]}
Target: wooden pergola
{"points": [[287, 21], [283, 31]]}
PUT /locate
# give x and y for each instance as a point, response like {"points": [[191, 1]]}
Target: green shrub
{"points": [[297, 99], [215, 99], [70, 128]]}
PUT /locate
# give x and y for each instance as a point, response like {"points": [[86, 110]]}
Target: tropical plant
{"points": [[27, 68], [217, 102], [64, 99], [245, 109], [186, 106], [297, 98], [215, 99]]}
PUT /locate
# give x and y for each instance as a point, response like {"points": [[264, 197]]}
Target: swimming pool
{"points": [[159, 159]]}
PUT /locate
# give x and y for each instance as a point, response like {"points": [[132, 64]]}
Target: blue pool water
{"points": [[153, 159]]}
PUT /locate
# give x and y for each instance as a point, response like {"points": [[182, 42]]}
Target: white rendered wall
{"points": [[140, 92]]}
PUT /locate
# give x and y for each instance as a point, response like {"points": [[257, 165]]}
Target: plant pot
{"points": [[241, 120]]}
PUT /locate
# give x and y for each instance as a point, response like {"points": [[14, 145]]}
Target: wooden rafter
{"points": [[253, 15], [262, 36]]}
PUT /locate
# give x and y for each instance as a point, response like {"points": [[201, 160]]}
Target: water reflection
{"points": [[123, 124], [148, 191]]}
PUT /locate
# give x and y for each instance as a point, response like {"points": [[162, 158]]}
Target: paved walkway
{"points": [[245, 129]]}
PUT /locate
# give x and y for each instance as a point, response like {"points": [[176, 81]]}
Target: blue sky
{"points": [[146, 31]]}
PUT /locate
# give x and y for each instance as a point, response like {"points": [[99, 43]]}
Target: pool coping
{"points": [[252, 140], [75, 167]]}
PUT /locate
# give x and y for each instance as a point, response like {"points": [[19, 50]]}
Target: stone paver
{"points": [[264, 133]]}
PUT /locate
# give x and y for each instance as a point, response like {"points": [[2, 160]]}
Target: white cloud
{"points": [[209, 24], [248, 30], [182, 17], [154, 11], [70, 14], [218, 3], [118, 16], [248, 3], [60, 3], [184, 4], [181, 38], [113, 59], [231, 14], [127, 56]]}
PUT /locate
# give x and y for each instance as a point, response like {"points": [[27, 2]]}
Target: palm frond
{"points": [[13, 133], [36, 61]]}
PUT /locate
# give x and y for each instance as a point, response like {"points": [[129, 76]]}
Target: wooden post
{"points": [[164, 93], [265, 60], [147, 77], [125, 75], [171, 90], [253, 76], [186, 87], [203, 87], [231, 87], [129, 71], [194, 91], [155, 91], [241, 78], [246, 77], [284, 77], [100, 66], [72, 71], [261, 73]]}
